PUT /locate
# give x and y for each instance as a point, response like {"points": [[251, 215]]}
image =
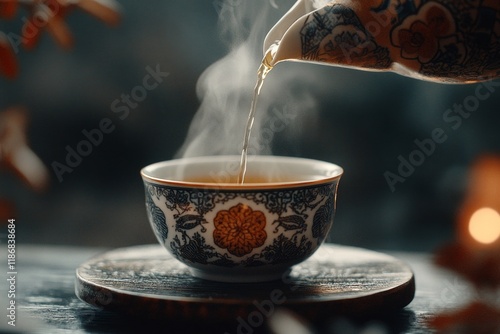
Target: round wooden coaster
{"points": [[146, 281]]}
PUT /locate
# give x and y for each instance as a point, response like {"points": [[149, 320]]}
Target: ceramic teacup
{"points": [[250, 232]]}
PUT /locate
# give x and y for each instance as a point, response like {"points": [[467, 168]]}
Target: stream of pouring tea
{"points": [[262, 72]]}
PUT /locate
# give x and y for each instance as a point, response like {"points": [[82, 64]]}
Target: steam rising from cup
{"points": [[225, 88]]}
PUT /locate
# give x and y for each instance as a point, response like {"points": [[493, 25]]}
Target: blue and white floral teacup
{"points": [[250, 232]]}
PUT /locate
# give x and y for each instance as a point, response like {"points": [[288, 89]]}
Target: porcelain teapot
{"points": [[450, 41]]}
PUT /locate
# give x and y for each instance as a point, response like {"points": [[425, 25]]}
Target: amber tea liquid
{"points": [[249, 179]]}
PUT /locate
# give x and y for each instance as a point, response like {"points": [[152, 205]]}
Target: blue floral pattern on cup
{"points": [[237, 223]]}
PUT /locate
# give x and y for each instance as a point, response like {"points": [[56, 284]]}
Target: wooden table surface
{"points": [[46, 301]]}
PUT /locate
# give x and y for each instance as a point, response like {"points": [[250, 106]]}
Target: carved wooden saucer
{"points": [[146, 281]]}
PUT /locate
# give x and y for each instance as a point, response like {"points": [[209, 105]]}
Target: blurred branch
{"points": [[15, 153], [39, 15], [47, 15]]}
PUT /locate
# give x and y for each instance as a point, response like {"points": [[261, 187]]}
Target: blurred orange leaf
{"points": [[476, 318], [480, 267], [7, 210], [8, 62], [30, 34], [60, 31], [8, 8], [48, 14], [15, 154], [104, 10]]}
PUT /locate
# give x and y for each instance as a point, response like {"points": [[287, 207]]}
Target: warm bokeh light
{"points": [[484, 225]]}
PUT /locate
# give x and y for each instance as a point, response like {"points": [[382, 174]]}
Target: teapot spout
{"points": [[283, 41], [278, 30]]}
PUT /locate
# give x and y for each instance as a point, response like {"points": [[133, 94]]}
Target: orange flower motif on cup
{"points": [[240, 229], [419, 35]]}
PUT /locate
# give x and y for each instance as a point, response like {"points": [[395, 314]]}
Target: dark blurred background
{"points": [[362, 121]]}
